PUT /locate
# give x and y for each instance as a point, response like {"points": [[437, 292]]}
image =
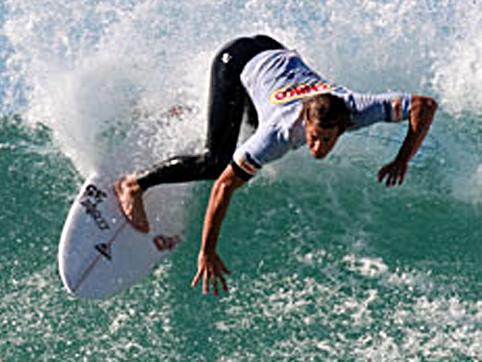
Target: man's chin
{"points": [[318, 156]]}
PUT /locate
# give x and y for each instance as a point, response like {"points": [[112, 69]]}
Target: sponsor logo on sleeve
{"points": [[247, 164], [397, 112], [244, 164]]}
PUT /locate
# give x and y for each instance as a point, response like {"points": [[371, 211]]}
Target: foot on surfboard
{"points": [[129, 195]]}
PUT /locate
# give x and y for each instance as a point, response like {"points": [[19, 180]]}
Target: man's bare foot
{"points": [[129, 195]]}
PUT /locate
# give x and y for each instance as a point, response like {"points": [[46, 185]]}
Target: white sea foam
{"points": [[344, 323], [369, 267], [84, 68]]}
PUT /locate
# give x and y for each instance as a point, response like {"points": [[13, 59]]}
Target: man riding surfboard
{"points": [[289, 105]]}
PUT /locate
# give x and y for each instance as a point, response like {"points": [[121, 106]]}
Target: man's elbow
{"points": [[431, 104], [425, 102], [227, 182]]}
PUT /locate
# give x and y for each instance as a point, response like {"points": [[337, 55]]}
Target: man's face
{"points": [[320, 141]]}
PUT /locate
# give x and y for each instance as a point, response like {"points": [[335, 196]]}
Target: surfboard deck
{"points": [[100, 253]]}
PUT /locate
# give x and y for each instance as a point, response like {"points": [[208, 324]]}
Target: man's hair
{"points": [[326, 111]]}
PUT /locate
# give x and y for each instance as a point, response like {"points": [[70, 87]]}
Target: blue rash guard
{"points": [[277, 81]]}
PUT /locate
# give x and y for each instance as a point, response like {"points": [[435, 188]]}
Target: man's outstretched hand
{"points": [[422, 111], [394, 172], [210, 268]]}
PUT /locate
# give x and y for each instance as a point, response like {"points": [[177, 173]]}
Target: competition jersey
{"points": [[277, 81]]}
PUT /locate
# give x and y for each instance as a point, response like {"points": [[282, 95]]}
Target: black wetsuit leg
{"points": [[228, 101]]}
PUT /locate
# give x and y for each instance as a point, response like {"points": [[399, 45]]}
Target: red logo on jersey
{"points": [[298, 91]]}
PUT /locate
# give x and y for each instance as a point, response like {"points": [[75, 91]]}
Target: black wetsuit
{"points": [[228, 102]]}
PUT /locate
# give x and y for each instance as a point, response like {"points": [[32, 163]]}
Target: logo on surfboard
{"points": [[104, 249], [166, 243], [92, 197]]}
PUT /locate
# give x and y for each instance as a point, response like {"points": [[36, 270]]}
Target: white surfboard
{"points": [[100, 253]]}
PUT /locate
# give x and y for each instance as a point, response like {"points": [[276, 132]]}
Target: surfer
{"points": [[289, 105]]}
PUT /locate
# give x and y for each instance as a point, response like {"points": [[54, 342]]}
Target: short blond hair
{"points": [[326, 111]]}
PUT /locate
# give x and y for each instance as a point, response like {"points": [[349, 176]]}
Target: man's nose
{"points": [[317, 149]]}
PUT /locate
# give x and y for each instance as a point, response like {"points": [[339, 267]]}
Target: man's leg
{"points": [[225, 112], [227, 103], [226, 106]]}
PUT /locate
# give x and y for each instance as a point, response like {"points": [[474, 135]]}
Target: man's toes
{"points": [[118, 187]]}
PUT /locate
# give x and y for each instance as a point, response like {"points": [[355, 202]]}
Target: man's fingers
{"points": [[387, 181], [215, 286], [381, 174], [224, 269], [393, 179], [195, 280], [224, 284], [211, 274], [392, 174], [384, 173], [205, 282], [403, 174]]}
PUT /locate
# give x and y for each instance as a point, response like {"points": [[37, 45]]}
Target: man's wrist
{"points": [[402, 157], [207, 249]]}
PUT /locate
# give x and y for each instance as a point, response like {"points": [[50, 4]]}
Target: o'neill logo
{"points": [[92, 197], [298, 91]]}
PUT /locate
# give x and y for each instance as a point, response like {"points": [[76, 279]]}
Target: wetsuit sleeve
{"points": [[264, 146], [368, 109]]}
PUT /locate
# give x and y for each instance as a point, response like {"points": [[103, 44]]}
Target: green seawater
{"points": [[327, 265]]}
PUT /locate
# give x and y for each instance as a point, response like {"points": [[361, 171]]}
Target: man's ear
{"points": [[304, 112]]}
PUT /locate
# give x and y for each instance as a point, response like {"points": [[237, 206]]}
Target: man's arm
{"points": [[422, 112], [210, 266]]}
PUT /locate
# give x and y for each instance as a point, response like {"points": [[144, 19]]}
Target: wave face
{"points": [[327, 264]]}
